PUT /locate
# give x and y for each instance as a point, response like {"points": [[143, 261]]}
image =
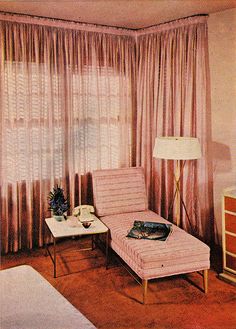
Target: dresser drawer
{"points": [[231, 262], [230, 223], [230, 204], [230, 243]]}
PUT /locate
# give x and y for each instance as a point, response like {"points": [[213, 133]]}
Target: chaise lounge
{"points": [[119, 199]]}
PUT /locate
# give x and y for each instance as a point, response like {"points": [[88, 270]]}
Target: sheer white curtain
{"points": [[66, 109]]}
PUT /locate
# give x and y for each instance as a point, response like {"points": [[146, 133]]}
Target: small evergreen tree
{"points": [[58, 204]]}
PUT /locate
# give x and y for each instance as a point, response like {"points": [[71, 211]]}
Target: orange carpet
{"points": [[112, 299]]}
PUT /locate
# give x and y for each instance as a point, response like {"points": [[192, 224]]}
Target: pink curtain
{"points": [[66, 109], [172, 100], [76, 100]]}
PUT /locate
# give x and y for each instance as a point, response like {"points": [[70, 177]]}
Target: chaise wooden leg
{"points": [[144, 285], [205, 281]]}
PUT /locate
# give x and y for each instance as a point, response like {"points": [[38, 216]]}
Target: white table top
{"points": [[72, 226]]}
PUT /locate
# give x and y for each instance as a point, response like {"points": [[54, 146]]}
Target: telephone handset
{"points": [[84, 212]]}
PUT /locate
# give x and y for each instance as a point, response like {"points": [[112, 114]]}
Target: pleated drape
{"points": [[66, 109], [172, 100], [75, 100]]}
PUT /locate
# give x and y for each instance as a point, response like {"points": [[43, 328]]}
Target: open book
{"points": [[150, 230]]}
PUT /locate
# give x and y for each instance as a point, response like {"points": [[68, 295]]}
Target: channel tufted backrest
{"points": [[118, 191]]}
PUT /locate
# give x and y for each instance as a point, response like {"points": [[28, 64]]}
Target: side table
{"points": [[73, 227]]}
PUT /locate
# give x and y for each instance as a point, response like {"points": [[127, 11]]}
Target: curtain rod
{"points": [[60, 23], [190, 20]]}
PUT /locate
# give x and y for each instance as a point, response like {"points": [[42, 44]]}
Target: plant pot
{"points": [[59, 218]]}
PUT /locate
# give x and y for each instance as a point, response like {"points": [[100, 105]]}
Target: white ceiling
{"points": [[121, 13]]}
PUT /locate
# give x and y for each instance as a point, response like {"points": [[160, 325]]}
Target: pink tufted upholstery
{"points": [[181, 253], [119, 199], [119, 191]]}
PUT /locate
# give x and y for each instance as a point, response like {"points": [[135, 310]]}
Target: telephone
{"points": [[84, 212]]}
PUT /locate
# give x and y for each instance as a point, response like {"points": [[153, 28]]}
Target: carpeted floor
{"points": [[112, 299]]}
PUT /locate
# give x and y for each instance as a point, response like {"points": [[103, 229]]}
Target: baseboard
{"points": [[229, 278]]}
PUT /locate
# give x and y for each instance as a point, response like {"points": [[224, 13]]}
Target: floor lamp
{"points": [[177, 148]]}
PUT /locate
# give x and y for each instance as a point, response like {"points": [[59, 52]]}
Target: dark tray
{"points": [[150, 230]]}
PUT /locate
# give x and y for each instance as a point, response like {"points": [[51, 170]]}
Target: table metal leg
{"points": [[55, 257], [52, 256], [107, 249]]}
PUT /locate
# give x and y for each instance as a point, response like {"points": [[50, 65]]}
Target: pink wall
{"points": [[222, 52]]}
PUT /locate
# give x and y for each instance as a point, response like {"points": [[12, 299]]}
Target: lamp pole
{"points": [[177, 186]]}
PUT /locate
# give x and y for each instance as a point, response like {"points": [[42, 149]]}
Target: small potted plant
{"points": [[58, 204]]}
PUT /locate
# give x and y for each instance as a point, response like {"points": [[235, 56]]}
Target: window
{"points": [[48, 124]]}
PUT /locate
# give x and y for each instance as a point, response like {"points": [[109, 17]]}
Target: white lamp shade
{"points": [[177, 148]]}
